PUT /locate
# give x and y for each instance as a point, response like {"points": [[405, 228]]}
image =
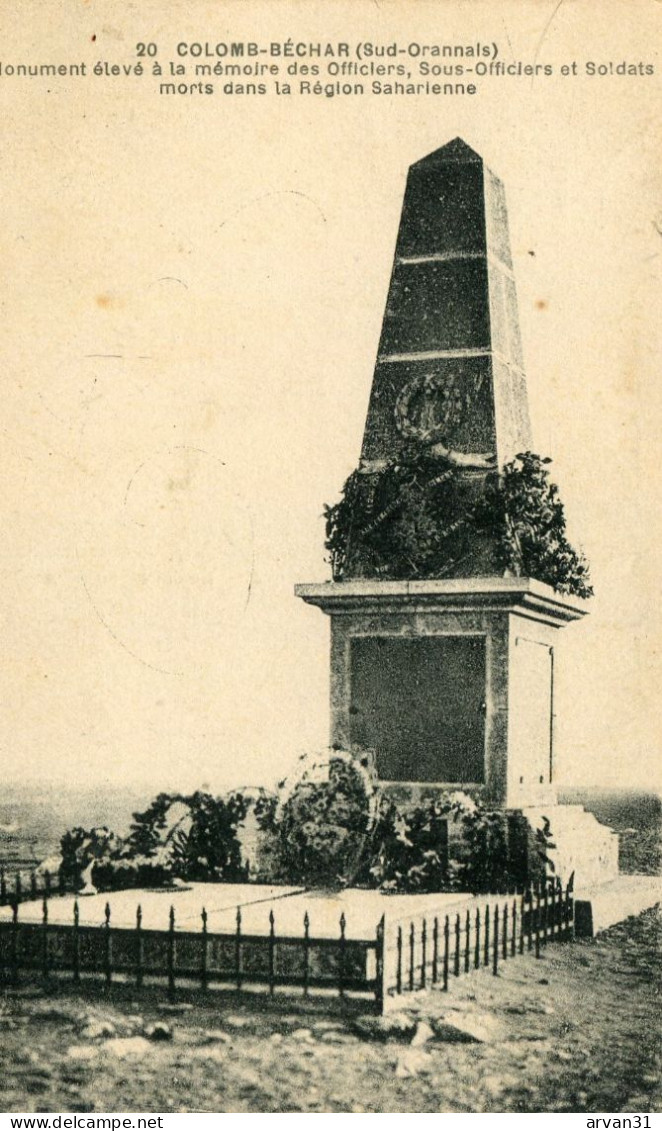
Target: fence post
{"points": [[435, 951], [237, 949], [424, 953], [412, 944], [477, 939], [171, 952], [560, 900], [513, 938], [19, 887], [570, 901], [139, 946], [467, 940], [537, 923], [398, 964], [272, 947], [3, 887], [495, 951], [521, 924], [379, 964], [553, 910], [76, 944], [44, 938], [341, 955], [33, 884], [486, 950], [14, 942], [47, 883], [456, 956], [447, 944], [306, 952], [108, 949], [504, 931], [545, 913], [203, 954]]}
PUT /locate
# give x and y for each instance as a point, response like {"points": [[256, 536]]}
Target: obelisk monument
{"points": [[443, 623]]}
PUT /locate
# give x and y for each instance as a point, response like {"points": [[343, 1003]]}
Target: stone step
{"points": [[603, 905]]}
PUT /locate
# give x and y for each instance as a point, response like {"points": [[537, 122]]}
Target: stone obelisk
{"points": [[449, 372]]}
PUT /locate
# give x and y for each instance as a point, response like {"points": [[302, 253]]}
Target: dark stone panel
{"points": [[471, 431], [443, 211], [420, 705], [437, 306]]}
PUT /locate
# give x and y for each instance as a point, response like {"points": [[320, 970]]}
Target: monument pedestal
{"points": [[450, 685], [449, 682]]}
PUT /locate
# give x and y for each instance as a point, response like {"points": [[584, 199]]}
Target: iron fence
{"points": [[429, 950], [30, 884], [234, 959], [401, 956]]}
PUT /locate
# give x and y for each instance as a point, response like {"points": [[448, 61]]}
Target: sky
{"points": [[192, 302]]}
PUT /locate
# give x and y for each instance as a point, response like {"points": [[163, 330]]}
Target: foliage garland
{"points": [[419, 517]]}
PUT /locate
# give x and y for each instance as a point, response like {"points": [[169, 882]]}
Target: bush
{"points": [[202, 845], [81, 847], [118, 873], [148, 828], [487, 865], [212, 850], [530, 519], [409, 850]]}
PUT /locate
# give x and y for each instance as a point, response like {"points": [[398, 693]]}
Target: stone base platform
{"points": [[581, 844], [603, 905]]}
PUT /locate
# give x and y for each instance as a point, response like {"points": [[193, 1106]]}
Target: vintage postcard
{"points": [[331, 619]]}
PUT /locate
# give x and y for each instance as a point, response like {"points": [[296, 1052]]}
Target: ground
{"points": [[576, 1030]]}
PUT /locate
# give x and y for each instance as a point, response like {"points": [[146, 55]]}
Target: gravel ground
{"points": [[577, 1030]]}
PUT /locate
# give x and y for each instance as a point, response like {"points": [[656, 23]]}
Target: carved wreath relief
{"points": [[433, 407]]}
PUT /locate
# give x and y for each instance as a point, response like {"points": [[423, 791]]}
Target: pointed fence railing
{"points": [[431, 950], [403, 956], [233, 959], [23, 884]]}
